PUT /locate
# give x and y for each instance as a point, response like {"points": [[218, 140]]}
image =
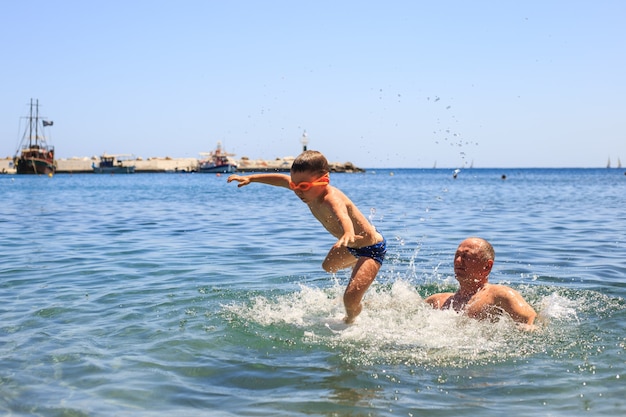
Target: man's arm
{"points": [[514, 305], [437, 300]]}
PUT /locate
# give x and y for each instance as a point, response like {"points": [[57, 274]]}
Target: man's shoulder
{"points": [[498, 287], [501, 291]]}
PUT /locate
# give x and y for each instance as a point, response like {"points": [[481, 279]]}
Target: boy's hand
{"points": [[346, 239], [241, 180]]}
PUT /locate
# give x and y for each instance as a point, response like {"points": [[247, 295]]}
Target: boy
{"points": [[359, 244]]}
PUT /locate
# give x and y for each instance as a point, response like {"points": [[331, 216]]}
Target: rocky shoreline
{"points": [[166, 164]]}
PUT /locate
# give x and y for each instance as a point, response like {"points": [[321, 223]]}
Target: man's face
{"points": [[468, 262]]}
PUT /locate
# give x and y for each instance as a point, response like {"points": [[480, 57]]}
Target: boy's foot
{"points": [[352, 314]]}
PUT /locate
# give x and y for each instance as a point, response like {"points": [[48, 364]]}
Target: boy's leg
{"points": [[363, 275], [337, 259]]}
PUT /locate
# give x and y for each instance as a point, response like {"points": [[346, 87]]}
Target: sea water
{"points": [[180, 294]]}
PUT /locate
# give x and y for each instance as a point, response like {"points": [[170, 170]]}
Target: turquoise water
{"points": [[179, 294]]}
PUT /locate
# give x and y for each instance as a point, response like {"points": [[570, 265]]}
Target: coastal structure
{"points": [[217, 162], [84, 165], [305, 141]]}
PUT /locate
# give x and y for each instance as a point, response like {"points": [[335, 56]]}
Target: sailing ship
{"points": [[113, 164], [218, 161], [36, 156]]}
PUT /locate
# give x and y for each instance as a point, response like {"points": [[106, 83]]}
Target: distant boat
{"points": [[36, 156], [619, 163], [113, 164], [217, 162], [608, 163]]}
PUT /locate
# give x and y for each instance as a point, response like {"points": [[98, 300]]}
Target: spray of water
{"points": [[397, 326]]}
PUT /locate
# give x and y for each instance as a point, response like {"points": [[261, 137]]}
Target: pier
{"points": [[83, 165]]}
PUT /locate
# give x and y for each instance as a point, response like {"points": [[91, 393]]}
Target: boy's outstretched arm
{"points": [[277, 180]]}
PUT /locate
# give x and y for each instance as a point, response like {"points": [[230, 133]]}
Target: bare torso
{"points": [[488, 302], [331, 205]]}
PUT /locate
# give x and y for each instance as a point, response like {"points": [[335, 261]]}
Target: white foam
{"points": [[556, 307], [396, 325]]}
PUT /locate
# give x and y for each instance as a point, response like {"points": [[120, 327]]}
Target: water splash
{"points": [[556, 307], [397, 326]]}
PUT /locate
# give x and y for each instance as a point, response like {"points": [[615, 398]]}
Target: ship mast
{"points": [[30, 125], [33, 122], [36, 121]]}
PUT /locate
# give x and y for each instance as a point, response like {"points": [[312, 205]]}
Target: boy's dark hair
{"points": [[310, 161]]}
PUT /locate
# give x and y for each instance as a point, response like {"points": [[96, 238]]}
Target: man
{"points": [[476, 297]]}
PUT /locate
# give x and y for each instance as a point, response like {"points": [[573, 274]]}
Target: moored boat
{"points": [[36, 157], [218, 162], [114, 164]]}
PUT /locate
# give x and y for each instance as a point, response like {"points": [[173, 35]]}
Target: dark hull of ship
{"points": [[32, 166], [114, 170]]}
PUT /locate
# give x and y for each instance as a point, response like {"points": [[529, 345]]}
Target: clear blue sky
{"points": [[381, 84]]}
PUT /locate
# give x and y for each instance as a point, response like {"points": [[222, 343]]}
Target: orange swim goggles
{"points": [[306, 186]]}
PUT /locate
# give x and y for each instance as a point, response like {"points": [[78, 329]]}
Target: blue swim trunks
{"points": [[376, 251]]}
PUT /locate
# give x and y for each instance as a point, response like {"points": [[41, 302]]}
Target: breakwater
{"points": [[166, 164]]}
